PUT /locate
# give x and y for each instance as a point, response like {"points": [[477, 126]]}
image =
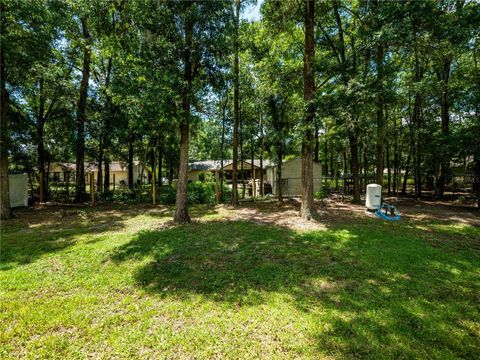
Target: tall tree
{"points": [[80, 192], [236, 82], [307, 209], [181, 206]]}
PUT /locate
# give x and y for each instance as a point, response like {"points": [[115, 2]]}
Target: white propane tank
{"points": [[374, 196]]}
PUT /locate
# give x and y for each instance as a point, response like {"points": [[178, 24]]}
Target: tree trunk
{"points": [[353, 140], [279, 178], [5, 210], [106, 179], [407, 172], [476, 179], [152, 164], [380, 118], [326, 153], [222, 155], [253, 168], [242, 175], [130, 162], [160, 162], [444, 75], [171, 167], [307, 209], [261, 154], [80, 192], [317, 145], [389, 172], [41, 142], [235, 104], [99, 167], [396, 171], [109, 113], [181, 203]]}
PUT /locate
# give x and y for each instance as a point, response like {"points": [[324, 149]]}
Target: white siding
{"points": [[18, 188], [292, 173]]}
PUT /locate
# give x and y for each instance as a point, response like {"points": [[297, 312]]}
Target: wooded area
{"points": [[376, 91]]}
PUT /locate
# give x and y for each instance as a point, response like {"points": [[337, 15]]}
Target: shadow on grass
{"points": [[34, 233], [376, 293]]}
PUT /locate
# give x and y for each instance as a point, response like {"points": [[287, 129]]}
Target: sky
{"points": [[252, 12]]}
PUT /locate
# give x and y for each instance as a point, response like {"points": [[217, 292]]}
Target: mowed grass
{"points": [[118, 283]]}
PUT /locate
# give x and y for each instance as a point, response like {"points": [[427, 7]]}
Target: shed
{"points": [[18, 188], [292, 177]]}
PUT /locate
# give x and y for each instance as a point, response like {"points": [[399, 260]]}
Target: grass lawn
{"points": [[124, 282]]}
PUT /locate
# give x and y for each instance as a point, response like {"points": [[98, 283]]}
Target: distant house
{"points": [[292, 177], [199, 170], [59, 171]]}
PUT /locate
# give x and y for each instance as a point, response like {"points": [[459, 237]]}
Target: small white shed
{"points": [[18, 188], [292, 177]]}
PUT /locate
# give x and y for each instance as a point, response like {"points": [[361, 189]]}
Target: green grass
{"points": [[122, 283]]}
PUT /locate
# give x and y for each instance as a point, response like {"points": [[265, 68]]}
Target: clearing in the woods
{"points": [[122, 280]]}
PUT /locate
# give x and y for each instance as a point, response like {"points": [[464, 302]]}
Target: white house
{"points": [[118, 172]]}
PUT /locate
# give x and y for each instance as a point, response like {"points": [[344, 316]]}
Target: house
{"points": [[59, 171], [292, 177], [199, 170]]}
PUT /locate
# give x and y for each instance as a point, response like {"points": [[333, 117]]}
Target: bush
{"points": [[321, 194], [167, 195], [201, 193], [197, 193], [124, 195]]}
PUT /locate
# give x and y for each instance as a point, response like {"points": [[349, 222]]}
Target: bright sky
{"points": [[252, 12]]}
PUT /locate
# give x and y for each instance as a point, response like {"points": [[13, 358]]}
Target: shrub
{"points": [[321, 194], [123, 195], [167, 195], [201, 193], [197, 193]]}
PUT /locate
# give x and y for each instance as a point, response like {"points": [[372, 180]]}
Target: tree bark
{"points": [[242, 162], [160, 162], [100, 160], [5, 210], [261, 154], [444, 75], [395, 156], [80, 192], [325, 149], [407, 172], [181, 204], [353, 140], [171, 167], [130, 162], [380, 118], [41, 141], [279, 177], [152, 164], [389, 172], [235, 104], [476, 179], [106, 178], [307, 209], [109, 111]]}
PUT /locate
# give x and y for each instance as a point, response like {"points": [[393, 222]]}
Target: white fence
{"points": [[18, 187]]}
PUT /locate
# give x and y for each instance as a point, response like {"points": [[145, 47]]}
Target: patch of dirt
{"points": [[335, 209]]}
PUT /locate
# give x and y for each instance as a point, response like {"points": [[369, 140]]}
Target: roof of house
{"points": [[114, 166], [272, 164], [212, 165]]}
